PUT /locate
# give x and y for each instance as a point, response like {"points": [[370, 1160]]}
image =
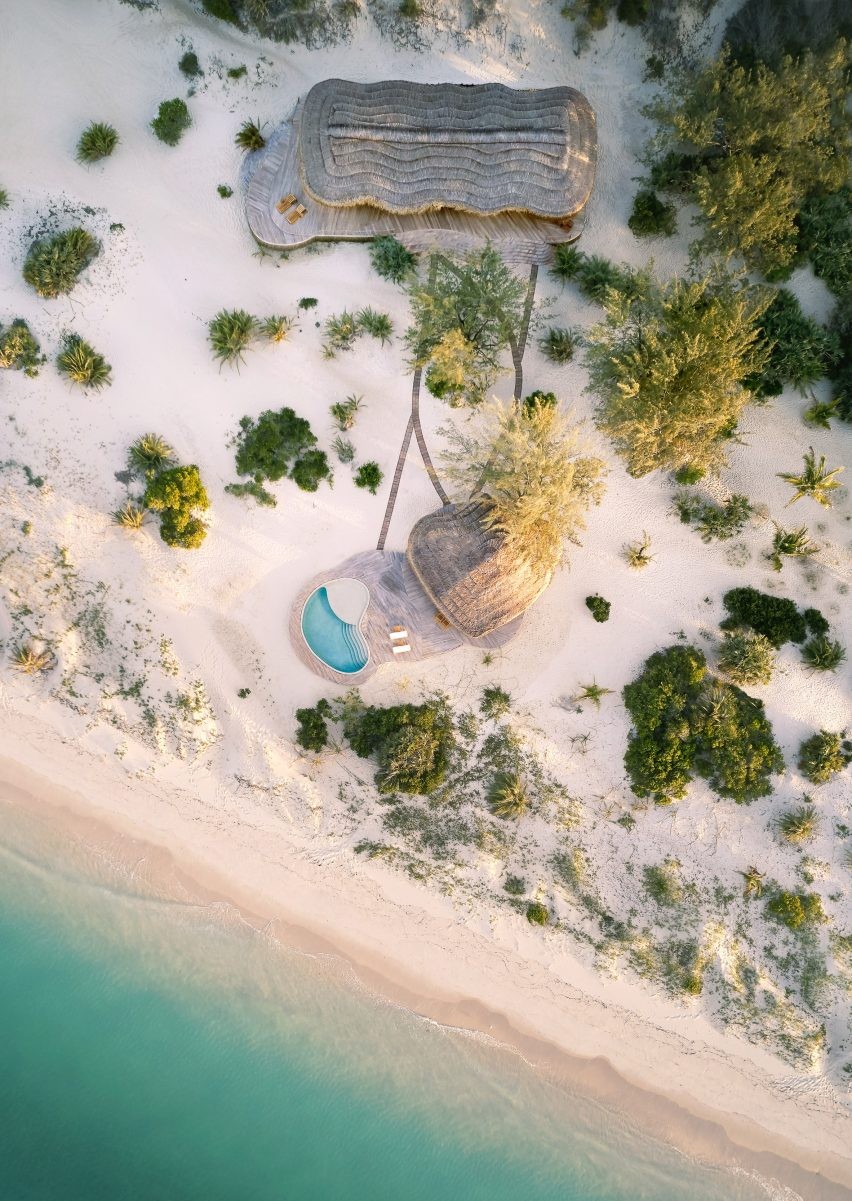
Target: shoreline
{"points": [[730, 1141]]}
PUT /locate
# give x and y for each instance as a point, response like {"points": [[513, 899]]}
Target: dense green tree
{"points": [[823, 755], [312, 728], [412, 743], [736, 751], [174, 494], [776, 617], [267, 445]]}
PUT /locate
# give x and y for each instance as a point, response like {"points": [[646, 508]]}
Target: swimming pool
{"points": [[331, 625]]}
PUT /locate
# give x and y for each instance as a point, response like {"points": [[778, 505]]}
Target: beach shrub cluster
{"points": [[824, 755], [189, 64], [815, 480], [19, 348], [800, 351], [275, 446], [79, 362], [713, 521], [312, 726], [538, 914], [175, 494], [822, 653], [54, 264], [369, 476], [223, 10], [172, 121], [598, 607], [559, 344], [345, 411], [342, 330], [232, 331], [795, 909], [97, 141], [775, 617], [790, 544], [746, 657], [595, 277], [412, 743], [651, 217], [686, 722], [250, 136], [4, 198], [391, 260]]}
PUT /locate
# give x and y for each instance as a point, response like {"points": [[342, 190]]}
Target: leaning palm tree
{"points": [[815, 481], [753, 882], [149, 455], [250, 136], [508, 797], [30, 660]]}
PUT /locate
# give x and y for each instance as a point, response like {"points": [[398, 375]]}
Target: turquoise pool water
{"points": [[337, 643]]}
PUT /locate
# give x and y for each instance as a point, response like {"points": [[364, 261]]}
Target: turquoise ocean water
{"points": [[158, 1049]]}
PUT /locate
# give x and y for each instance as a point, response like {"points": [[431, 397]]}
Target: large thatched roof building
{"points": [[467, 572], [484, 148]]}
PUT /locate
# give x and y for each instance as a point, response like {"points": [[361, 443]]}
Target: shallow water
{"points": [[152, 1047]]}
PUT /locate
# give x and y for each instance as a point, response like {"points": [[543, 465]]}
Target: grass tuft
{"points": [[82, 364], [97, 141]]}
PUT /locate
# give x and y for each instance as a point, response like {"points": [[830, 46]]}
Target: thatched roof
{"points": [[468, 573], [484, 148]]}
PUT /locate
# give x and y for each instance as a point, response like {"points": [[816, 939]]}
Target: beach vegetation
{"points": [[736, 751], [668, 369], [237, 72], [637, 554], [598, 607], [54, 264], [795, 909], [307, 302], [515, 886], [823, 755], [821, 413], [172, 121], [539, 399], [598, 279], [225, 191], [377, 325], [98, 140], [277, 328], [799, 824], [230, 334], [689, 475], [663, 882], [310, 470], [175, 494], [652, 217], [345, 411], [815, 480], [815, 621], [533, 474], [453, 374], [791, 544], [189, 64], [508, 796], [312, 726], [538, 914], [495, 702], [391, 260], [278, 444], [223, 10], [750, 173], [711, 520], [131, 516], [20, 349], [255, 490], [776, 617], [149, 455], [822, 653], [344, 449], [250, 136], [369, 476], [800, 351], [746, 657], [4, 198], [559, 344], [825, 236], [340, 331], [31, 659], [82, 364], [752, 882], [412, 743], [593, 692]]}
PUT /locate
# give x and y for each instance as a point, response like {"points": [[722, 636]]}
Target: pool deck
{"points": [[396, 599]]}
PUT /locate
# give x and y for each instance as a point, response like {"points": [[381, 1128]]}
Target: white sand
{"points": [[248, 808]]}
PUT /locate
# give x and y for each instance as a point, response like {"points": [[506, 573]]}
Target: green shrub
{"points": [[53, 264], [799, 824], [775, 617], [508, 796], [823, 755], [277, 445], [230, 333], [559, 345], [793, 544], [19, 348], [369, 476], [747, 657], [223, 10], [344, 449], [190, 65], [825, 235], [149, 455], [537, 914], [495, 702], [341, 330], [795, 909], [632, 12], [840, 372], [344, 411], [277, 328], [539, 399], [310, 469], [815, 621], [4, 198], [636, 553], [515, 886], [312, 731], [412, 743], [675, 172], [97, 141], [130, 516], [822, 654], [663, 882], [821, 412], [250, 136], [307, 302], [82, 364], [815, 480], [174, 494], [598, 607], [736, 751], [391, 260], [255, 490], [225, 191], [172, 121], [714, 521], [596, 277], [689, 475], [652, 217], [237, 72], [800, 350], [378, 325]]}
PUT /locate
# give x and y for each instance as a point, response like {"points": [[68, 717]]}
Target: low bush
{"points": [[130, 516], [31, 660], [663, 883], [747, 657], [815, 480], [598, 607], [792, 544], [344, 449], [825, 236], [225, 191], [795, 909], [777, 618], [149, 455], [20, 349], [230, 334], [255, 490], [276, 445], [391, 260], [276, 329], [823, 755], [172, 121], [508, 796], [822, 653], [189, 64], [310, 469], [412, 743], [595, 276], [712, 521], [174, 494], [798, 825], [250, 136], [559, 344], [652, 217], [495, 702], [97, 141], [515, 886], [237, 72], [377, 325], [539, 399], [816, 623], [801, 351], [4, 198], [736, 751], [689, 475], [340, 330], [312, 729], [537, 914], [345, 411], [82, 364], [54, 264], [637, 554], [307, 302], [369, 476], [223, 10]]}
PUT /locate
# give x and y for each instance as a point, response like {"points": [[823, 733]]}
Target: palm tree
{"points": [[31, 661], [753, 882], [508, 797], [796, 544], [815, 481], [250, 136], [592, 692]]}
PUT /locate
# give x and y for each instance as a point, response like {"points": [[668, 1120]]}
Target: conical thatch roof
{"points": [[484, 148], [467, 572]]}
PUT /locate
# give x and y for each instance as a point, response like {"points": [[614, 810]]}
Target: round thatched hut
{"points": [[468, 573]]}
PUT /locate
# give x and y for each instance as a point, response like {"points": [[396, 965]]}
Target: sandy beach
{"points": [[211, 795]]}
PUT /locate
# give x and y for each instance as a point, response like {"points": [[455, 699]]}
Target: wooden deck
{"points": [[396, 598], [519, 238]]}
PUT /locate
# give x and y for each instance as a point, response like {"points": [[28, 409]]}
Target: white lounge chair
{"points": [[401, 647], [398, 635]]}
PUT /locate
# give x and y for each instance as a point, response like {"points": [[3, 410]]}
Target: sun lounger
{"points": [[400, 648], [285, 202], [297, 214], [398, 635]]}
